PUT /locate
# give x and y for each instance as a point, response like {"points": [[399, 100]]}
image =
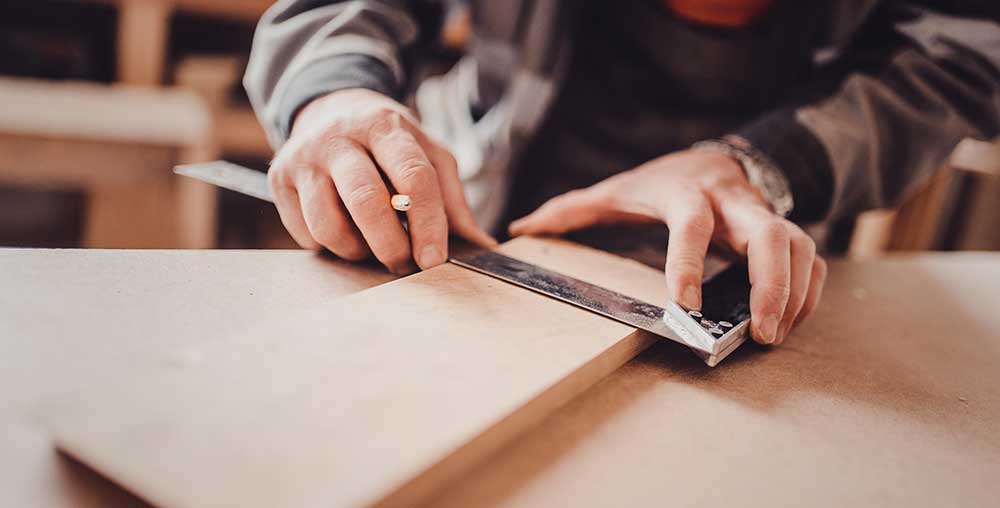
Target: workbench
{"points": [[888, 396]]}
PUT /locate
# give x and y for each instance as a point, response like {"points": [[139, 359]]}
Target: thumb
{"points": [[573, 210]]}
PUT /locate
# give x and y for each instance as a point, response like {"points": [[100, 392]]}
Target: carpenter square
{"points": [[725, 296]]}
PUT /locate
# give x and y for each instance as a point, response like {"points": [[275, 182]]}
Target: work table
{"points": [[889, 395]]}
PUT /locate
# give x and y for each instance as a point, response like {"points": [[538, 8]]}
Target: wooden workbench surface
{"points": [[890, 395]]}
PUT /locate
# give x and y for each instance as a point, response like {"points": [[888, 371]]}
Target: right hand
{"points": [[329, 193]]}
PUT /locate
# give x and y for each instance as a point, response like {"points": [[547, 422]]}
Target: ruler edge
{"points": [[721, 348]]}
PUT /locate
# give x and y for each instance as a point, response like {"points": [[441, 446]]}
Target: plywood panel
{"points": [[70, 319], [374, 399], [888, 396]]}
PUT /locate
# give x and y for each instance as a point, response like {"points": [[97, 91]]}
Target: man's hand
{"points": [[702, 197], [329, 191]]}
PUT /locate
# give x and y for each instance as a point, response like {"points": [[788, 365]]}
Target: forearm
{"points": [[303, 50], [883, 130]]}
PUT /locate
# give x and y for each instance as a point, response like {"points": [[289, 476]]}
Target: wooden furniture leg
{"points": [[160, 212], [143, 33]]}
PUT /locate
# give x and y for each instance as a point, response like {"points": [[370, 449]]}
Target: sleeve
{"points": [[303, 49], [880, 130]]}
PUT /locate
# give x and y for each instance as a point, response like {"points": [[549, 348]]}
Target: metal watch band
{"points": [[762, 173]]}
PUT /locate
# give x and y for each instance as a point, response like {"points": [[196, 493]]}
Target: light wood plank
{"points": [[70, 315], [86, 111], [887, 397], [53, 163], [872, 233], [376, 399], [838, 416]]}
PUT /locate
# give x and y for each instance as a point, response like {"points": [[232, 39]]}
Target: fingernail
{"points": [[768, 329], [431, 256], [780, 336], [690, 299]]}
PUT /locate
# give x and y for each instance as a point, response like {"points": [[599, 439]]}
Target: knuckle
{"points": [[415, 174], [820, 267], [328, 233], [450, 162], [681, 278], [775, 296], [684, 265], [803, 242], [351, 250], [276, 177], [697, 224], [442, 156], [280, 171], [333, 142], [362, 197], [382, 122], [339, 238], [395, 258], [775, 231]]}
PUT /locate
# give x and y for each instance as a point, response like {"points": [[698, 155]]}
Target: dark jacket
{"points": [[885, 92]]}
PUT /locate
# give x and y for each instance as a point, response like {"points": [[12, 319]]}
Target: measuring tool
{"points": [[712, 333]]}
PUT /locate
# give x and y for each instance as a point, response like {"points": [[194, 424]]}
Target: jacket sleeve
{"points": [[306, 48], [881, 130]]}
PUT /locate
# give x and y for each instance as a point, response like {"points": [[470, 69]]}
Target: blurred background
{"points": [[99, 99]]}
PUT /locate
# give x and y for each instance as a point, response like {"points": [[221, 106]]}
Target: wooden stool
{"points": [[118, 145]]}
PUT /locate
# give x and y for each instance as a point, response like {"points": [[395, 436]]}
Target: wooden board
{"points": [[72, 318], [889, 396], [836, 417], [375, 399]]}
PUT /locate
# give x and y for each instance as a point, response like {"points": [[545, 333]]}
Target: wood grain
{"points": [[888, 396], [375, 399], [73, 319]]}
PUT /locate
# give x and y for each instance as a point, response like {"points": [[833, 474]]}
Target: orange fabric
{"points": [[722, 13]]}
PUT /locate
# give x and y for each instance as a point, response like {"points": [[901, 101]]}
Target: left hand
{"points": [[702, 197]]}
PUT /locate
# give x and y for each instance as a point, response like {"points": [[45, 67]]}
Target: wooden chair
{"points": [[118, 145], [958, 208]]}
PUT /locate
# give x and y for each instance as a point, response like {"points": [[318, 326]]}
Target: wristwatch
{"points": [[762, 173]]}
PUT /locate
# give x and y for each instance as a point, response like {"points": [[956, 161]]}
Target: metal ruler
{"points": [[726, 295]]}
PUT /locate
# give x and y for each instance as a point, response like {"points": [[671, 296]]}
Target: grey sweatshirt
{"points": [[857, 101]]}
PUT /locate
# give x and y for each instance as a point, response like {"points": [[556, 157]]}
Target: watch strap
{"points": [[762, 173]]}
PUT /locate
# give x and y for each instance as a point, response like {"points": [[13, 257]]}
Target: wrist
{"points": [[760, 171], [323, 109]]}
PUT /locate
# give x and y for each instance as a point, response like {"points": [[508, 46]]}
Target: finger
{"points": [[366, 198], [691, 222], [803, 251], [460, 217], [328, 220], [816, 283], [574, 210], [406, 165], [768, 258], [286, 200]]}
